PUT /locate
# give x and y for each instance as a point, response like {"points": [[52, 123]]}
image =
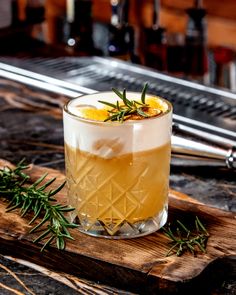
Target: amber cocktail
{"points": [[117, 171]]}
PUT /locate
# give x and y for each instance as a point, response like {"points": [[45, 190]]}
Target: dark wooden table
{"points": [[31, 127]]}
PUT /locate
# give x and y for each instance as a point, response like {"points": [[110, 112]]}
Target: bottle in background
{"points": [[34, 12], [121, 42], [225, 67], [24, 26], [196, 55], [175, 54], [155, 52], [78, 28], [35, 17], [15, 21]]}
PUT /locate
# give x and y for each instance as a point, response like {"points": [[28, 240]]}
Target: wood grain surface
{"points": [[137, 265]]}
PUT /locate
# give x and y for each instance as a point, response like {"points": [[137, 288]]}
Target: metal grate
{"points": [[196, 105]]}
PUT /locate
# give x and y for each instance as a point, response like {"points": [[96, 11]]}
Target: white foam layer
{"points": [[112, 139]]}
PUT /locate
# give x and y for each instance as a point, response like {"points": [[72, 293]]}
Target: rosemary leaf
{"points": [[36, 214], [39, 180], [124, 98], [123, 111], [57, 190], [141, 113], [201, 225], [13, 207], [118, 106], [108, 104], [117, 92], [137, 102], [35, 198], [126, 101], [143, 95], [42, 188], [183, 227], [26, 208], [43, 235], [46, 218], [49, 241], [60, 242], [187, 240]]}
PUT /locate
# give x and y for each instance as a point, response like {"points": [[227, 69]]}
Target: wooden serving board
{"points": [[137, 265]]}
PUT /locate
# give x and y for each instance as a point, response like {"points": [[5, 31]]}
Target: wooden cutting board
{"points": [[137, 265]]}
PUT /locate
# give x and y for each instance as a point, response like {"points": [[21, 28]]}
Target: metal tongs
{"points": [[197, 148]]}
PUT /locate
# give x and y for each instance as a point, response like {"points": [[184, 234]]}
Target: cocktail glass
{"points": [[117, 173]]}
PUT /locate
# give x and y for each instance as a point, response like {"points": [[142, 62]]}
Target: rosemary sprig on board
{"points": [[35, 198], [182, 239], [121, 112]]}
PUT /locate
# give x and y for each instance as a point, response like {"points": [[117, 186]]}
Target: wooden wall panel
{"points": [[221, 16], [221, 32], [101, 10], [225, 8]]}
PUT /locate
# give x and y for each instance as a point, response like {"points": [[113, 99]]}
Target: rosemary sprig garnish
{"points": [[182, 239], [123, 111], [35, 198]]}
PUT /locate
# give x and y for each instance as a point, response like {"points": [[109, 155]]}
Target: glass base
{"points": [[126, 230]]}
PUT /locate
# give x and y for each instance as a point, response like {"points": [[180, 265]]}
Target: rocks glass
{"points": [[117, 173]]}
